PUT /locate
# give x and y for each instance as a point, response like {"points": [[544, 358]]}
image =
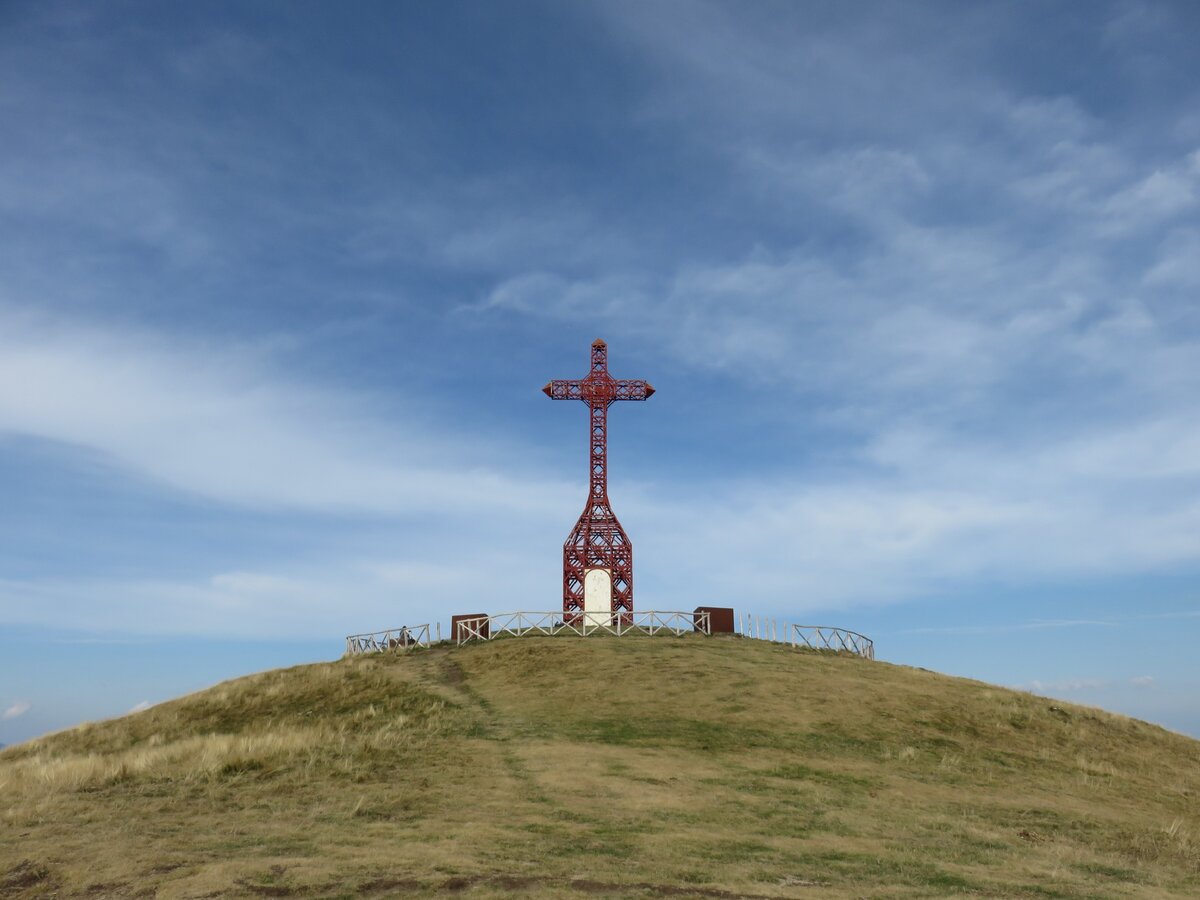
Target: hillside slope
{"points": [[642, 766]]}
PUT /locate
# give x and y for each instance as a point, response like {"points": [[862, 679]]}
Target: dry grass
{"points": [[698, 767]]}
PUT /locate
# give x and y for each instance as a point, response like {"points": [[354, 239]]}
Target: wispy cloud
{"points": [[16, 710], [1084, 685], [326, 598], [1020, 626], [1067, 685], [1177, 264], [223, 422], [1009, 389]]}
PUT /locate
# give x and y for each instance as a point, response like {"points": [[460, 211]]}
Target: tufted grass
{"points": [[633, 767]]}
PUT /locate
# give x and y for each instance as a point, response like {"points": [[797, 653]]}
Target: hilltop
{"points": [[690, 766]]}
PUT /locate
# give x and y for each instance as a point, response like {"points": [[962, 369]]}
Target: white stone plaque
{"points": [[597, 597]]}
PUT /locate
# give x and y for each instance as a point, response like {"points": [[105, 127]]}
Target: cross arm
{"points": [[564, 390], [598, 390], [632, 390]]}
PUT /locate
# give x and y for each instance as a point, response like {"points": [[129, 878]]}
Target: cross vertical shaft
{"points": [[598, 478]]}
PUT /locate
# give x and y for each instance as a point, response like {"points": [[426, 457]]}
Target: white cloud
{"points": [[547, 294], [1009, 403], [1039, 625], [1161, 195], [1142, 680], [17, 710], [470, 226], [960, 314], [140, 707], [1066, 685], [1069, 401], [1178, 262], [1008, 399], [1133, 23], [786, 548], [839, 545], [224, 423], [327, 597]]}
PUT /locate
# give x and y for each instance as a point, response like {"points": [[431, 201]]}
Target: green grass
{"points": [[633, 767]]}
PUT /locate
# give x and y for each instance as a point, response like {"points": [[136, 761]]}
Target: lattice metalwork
{"points": [[598, 541]]}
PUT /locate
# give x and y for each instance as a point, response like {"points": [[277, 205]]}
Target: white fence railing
{"points": [[649, 622], [583, 624], [823, 637], [815, 637], [406, 637]]}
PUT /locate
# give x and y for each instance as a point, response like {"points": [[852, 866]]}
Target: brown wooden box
{"points": [[720, 618], [455, 628]]}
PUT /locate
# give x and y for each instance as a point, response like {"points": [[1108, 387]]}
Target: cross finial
{"points": [[599, 358]]}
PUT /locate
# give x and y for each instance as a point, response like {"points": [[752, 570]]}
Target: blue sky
{"points": [[916, 284]]}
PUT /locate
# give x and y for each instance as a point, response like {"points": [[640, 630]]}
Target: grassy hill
{"points": [[692, 766]]}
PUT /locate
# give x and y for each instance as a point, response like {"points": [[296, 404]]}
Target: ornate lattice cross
{"points": [[597, 555]]}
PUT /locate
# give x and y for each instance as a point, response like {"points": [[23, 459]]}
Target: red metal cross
{"points": [[598, 541]]}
